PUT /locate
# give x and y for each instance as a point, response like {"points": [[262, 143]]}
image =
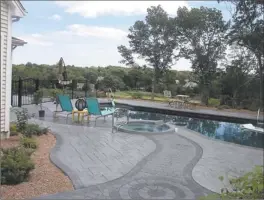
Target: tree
{"points": [[247, 31], [202, 35], [133, 77], [236, 76], [153, 41], [112, 82], [91, 76]]}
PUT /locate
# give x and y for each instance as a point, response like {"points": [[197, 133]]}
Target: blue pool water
{"points": [[229, 132]]}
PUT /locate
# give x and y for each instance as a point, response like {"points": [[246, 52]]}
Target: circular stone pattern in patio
{"points": [[154, 188]]}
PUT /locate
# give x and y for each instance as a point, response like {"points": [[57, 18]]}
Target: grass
{"points": [[144, 95]]}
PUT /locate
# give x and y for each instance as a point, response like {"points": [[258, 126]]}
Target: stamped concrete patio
{"points": [[106, 165]]}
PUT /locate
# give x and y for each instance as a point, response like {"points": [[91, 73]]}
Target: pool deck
{"points": [[106, 165], [164, 108]]}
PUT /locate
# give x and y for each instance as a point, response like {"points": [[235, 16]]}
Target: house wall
{"points": [[5, 73]]}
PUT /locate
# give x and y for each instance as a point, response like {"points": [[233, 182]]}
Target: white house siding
{"points": [[5, 65]]}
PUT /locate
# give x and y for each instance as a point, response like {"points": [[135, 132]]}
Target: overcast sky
{"points": [[86, 33]]}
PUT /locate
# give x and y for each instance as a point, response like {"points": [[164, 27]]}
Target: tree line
{"points": [[202, 36], [226, 56]]}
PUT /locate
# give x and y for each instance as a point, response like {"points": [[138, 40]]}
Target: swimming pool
{"points": [[229, 132]]}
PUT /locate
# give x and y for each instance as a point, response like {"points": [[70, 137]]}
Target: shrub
{"points": [[15, 165], [136, 95], [101, 94], [254, 106], [54, 92], [22, 119], [28, 142], [34, 129], [92, 94], [249, 186], [213, 102], [221, 107], [13, 129], [29, 151], [38, 98], [245, 103], [224, 99]]}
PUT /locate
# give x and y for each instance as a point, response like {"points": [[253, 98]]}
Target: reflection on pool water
{"points": [[229, 132]]}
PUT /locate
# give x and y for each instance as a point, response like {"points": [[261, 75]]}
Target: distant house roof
{"points": [[190, 85], [17, 42]]}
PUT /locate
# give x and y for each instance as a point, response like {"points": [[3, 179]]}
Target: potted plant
{"points": [[38, 96]]}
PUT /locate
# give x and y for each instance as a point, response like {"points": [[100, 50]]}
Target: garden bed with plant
{"points": [[248, 186], [26, 170]]}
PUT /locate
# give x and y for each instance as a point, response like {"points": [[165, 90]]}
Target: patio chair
{"points": [[66, 104], [94, 109]]}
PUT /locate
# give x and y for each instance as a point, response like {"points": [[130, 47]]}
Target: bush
{"points": [[37, 97], [223, 107], [54, 92], [22, 119], [254, 106], [34, 129], [249, 186], [250, 104], [13, 130], [15, 165], [101, 94], [224, 99], [213, 102], [28, 142], [29, 151], [136, 95]]}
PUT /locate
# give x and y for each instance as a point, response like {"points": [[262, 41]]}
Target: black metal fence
{"points": [[23, 90]]}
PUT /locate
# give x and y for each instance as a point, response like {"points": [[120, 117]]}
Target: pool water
{"points": [[143, 127], [229, 132]]}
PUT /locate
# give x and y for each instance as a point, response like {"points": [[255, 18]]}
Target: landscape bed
{"points": [[46, 178]]}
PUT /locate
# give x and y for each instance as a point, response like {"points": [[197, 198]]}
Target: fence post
{"points": [[20, 92], [12, 86], [73, 84], [86, 87], [36, 85]]}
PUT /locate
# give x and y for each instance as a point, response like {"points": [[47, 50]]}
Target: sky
{"points": [[87, 33]]}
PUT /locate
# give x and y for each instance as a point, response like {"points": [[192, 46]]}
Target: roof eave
{"points": [[17, 8], [17, 42]]}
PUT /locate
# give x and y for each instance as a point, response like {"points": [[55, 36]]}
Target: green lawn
{"points": [[139, 95]]}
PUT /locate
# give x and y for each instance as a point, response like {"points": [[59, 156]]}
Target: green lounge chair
{"points": [[94, 109], [66, 104]]}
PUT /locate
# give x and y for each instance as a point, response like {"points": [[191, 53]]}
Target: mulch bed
{"points": [[46, 178]]}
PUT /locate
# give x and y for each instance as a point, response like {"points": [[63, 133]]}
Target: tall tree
{"points": [[247, 31], [153, 41], [237, 74], [202, 35]]}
